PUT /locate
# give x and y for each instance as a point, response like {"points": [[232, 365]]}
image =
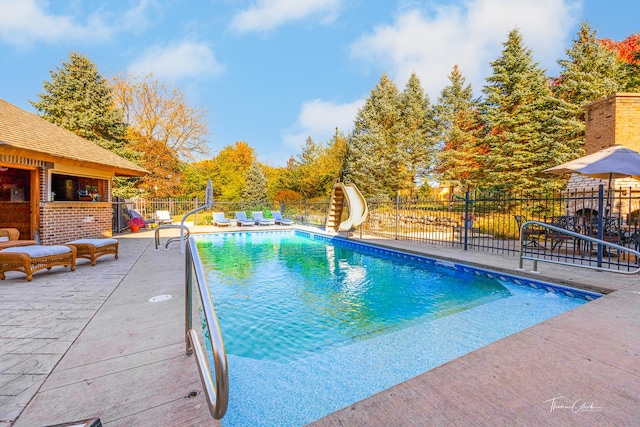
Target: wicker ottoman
{"points": [[29, 259], [93, 249]]}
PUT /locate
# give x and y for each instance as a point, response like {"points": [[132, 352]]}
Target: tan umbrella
{"points": [[610, 163]]}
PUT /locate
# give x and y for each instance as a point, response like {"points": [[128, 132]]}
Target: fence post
{"points": [[397, 212], [304, 219], [601, 214], [465, 219]]}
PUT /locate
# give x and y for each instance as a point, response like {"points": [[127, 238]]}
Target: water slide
{"points": [[358, 209]]}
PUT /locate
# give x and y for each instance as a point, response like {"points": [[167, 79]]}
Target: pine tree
{"points": [[254, 192], [517, 97], [459, 161], [415, 133], [78, 99], [590, 72], [372, 160]]}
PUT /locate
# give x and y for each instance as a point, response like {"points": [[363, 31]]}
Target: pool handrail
{"points": [[171, 239], [216, 391], [599, 242]]}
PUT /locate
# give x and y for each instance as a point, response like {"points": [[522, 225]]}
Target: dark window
{"points": [[77, 188], [14, 185]]}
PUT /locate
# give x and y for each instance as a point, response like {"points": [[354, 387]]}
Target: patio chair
{"points": [[242, 220], [531, 235], [163, 217], [259, 218], [92, 249], [219, 220], [567, 222], [29, 259], [277, 217]]}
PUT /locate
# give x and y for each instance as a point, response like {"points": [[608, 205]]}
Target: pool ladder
{"points": [[216, 390]]}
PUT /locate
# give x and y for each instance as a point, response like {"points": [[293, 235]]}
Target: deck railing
{"points": [[216, 389]]}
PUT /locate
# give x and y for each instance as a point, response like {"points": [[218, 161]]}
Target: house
{"points": [[54, 185]]}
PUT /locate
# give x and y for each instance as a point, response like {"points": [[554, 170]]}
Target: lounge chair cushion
{"points": [[38, 251], [98, 243], [92, 249]]}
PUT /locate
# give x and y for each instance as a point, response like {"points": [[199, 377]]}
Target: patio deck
{"points": [[85, 344]]}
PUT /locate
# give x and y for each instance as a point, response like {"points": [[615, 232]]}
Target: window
{"points": [[77, 188], [14, 185]]}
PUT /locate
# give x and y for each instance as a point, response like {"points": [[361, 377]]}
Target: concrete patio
{"points": [[90, 344]]}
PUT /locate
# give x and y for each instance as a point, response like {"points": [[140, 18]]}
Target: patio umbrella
{"points": [[610, 163]]}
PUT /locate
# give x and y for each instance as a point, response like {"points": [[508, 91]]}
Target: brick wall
{"points": [[65, 221], [613, 120]]}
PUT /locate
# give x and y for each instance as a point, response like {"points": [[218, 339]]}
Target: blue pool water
{"points": [[311, 327]]}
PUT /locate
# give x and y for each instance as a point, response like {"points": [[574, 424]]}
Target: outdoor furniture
{"points": [[259, 218], [10, 237], [531, 235], [242, 220], [93, 249], [29, 259], [219, 220], [163, 217], [567, 222], [277, 217]]}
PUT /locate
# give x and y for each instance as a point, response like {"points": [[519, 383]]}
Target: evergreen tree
{"points": [[517, 97], [590, 72], [459, 161], [415, 134], [255, 189], [373, 162], [78, 99]]}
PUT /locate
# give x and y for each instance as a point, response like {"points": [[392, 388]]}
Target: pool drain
{"points": [[159, 298]]}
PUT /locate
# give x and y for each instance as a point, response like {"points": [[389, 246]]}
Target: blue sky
{"points": [[273, 72]]}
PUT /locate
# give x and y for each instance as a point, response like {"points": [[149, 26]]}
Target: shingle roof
{"points": [[25, 134]]}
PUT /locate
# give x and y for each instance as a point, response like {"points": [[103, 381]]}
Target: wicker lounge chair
{"points": [[93, 249], [10, 237], [29, 259]]}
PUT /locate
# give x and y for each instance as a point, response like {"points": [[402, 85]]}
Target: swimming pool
{"points": [[312, 324]]}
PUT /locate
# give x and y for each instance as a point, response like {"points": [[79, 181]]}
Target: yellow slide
{"points": [[346, 195]]}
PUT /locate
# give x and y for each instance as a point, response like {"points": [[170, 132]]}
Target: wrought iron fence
{"points": [[483, 221]]}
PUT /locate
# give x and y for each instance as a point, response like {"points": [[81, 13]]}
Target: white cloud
{"points": [[470, 34], [24, 22], [178, 61], [319, 119], [267, 15]]}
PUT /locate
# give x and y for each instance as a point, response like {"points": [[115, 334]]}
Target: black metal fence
{"points": [[483, 221]]}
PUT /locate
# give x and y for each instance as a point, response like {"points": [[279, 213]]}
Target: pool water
{"points": [[311, 327]]}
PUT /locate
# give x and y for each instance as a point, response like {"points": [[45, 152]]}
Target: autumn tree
{"points": [[164, 167], [232, 164], [459, 122], [628, 57], [194, 177], [517, 97], [79, 99], [160, 113]]}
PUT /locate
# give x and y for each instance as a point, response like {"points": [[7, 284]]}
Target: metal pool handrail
{"points": [[216, 391], [172, 239], [600, 243]]}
